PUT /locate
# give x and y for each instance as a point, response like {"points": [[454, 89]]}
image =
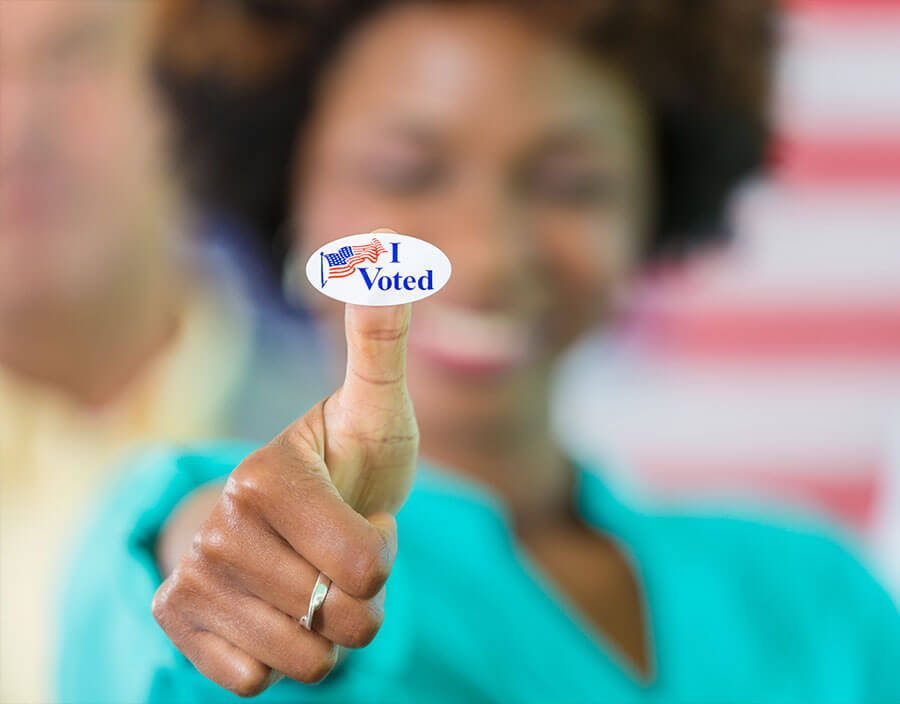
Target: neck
{"points": [[92, 348], [517, 458]]}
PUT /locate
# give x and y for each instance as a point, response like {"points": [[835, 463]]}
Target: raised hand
{"points": [[318, 498]]}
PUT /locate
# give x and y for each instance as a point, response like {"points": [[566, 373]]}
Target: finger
{"points": [[273, 572], [304, 508], [226, 664], [221, 661], [271, 637]]}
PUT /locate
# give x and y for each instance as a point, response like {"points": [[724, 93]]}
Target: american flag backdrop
{"points": [[771, 368], [343, 263]]}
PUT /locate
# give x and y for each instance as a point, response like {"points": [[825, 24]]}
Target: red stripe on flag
{"points": [[835, 159], [847, 491], [786, 333], [843, 6], [361, 253]]}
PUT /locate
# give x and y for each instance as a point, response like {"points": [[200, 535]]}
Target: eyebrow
{"points": [[557, 138], [575, 135], [94, 29], [412, 131]]}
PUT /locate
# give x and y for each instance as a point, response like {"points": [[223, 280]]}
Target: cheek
{"points": [[92, 113], [587, 260], [112, 140], [589, 255]]}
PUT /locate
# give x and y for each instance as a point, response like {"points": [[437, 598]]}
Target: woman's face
{"points": [[518, 156]]}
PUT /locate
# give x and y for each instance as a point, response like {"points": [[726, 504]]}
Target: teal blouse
{"points": [[738, 610]]}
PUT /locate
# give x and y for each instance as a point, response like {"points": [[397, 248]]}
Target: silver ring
{"points": [[316, 599]]}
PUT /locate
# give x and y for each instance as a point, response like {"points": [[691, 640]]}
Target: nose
{"points": [[490, 241], [23, 117], [13, 114]]}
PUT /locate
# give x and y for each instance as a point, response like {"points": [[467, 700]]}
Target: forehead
{"points": [[451, 64], [39, 24]]}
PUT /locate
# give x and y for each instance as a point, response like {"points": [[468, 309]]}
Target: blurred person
{"points": [[111, 331], [548, 151]]}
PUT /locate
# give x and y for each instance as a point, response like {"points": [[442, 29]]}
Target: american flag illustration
{"points": [[344, 262]]}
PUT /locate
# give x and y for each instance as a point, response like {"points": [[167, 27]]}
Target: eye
{"points": [[575, 186], [83, 46], [403, 176]]}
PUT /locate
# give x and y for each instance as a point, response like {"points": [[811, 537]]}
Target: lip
{"points": [[465, 342], [461, 364]]}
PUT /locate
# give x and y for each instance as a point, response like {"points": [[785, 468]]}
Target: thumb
{"points": [[376, 356], [371, 434]]}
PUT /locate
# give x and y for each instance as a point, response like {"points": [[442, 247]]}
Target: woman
{"points": [[525, 142]]}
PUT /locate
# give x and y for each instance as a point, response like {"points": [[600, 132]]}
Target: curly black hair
{"points": [[239, 76]]}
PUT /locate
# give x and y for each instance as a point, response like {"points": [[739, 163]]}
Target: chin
{"points": [[474, 398]]}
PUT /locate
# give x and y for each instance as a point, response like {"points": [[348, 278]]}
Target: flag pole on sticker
{"points": [[378, 269]]}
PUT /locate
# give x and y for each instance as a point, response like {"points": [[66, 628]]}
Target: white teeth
{"points": [[474, 335]]}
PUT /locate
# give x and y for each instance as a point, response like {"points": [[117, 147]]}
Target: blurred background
{"points": [[766, 368], [770, 367]]}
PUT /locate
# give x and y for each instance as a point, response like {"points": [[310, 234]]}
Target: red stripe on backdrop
{"points": [[837, 159], [843, 6], [846, 491], [869, 333]]}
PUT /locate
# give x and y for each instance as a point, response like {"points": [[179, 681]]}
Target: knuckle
{"points": [[318, 666], [212, 544], [300, 433], [161, 607], [369, 570], [170, 611], [186, 586], [251, 681], [364, 630], [248, 483]]}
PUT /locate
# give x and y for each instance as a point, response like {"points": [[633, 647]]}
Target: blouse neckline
{"points": [[600, 508]]}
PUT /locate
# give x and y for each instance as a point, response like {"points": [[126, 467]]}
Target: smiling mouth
{"points": [[468, 341]]}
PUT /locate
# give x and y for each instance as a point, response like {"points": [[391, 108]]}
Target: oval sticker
{"points": [[378, 269]]}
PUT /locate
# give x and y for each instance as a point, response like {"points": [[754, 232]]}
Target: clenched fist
{"points": [[318, 498]]}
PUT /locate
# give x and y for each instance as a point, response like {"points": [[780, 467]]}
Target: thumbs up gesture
{"points": [[314, 505]]}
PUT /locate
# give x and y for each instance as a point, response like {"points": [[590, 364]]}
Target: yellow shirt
{"points": [[55, 454]]}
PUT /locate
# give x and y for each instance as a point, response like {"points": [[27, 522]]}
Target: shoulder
{"points": [[799, 574], [793, 546], [792, 558], [799, 550], [778, 591]]}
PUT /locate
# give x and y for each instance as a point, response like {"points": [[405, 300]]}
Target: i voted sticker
{"points": [[378, 269]]}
